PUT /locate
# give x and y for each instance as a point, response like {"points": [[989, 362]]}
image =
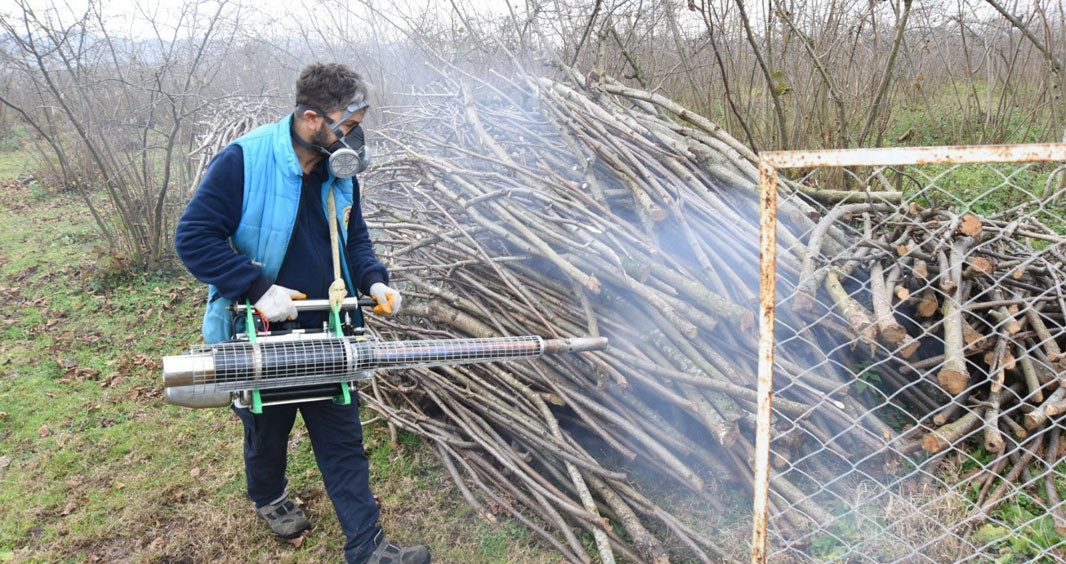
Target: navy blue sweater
{"points": [[212, 216]]}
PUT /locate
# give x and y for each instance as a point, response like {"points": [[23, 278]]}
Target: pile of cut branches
{"points": [[584, 207], [589, 208]]}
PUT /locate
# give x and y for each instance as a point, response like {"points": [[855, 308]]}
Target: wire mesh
{"points": [[385, 354], [267, 364], [271, 363], [935, 295]]}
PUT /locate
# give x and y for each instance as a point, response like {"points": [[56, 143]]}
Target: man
{"points": [[257, 230]]}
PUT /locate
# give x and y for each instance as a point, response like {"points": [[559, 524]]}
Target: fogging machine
{"points": [[258, 369]]}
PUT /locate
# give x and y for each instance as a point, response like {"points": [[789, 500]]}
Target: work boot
{"points": [[285, 519], [388, 553]]}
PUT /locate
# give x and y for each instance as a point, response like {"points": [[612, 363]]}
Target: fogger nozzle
{"points": [[283, 363], [574, 344]]}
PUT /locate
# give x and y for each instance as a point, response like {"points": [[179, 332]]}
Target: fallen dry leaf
{"points": [[4, 461], [43, 431], [69, 508], [111, 380], [195, 472], [297, 542]]}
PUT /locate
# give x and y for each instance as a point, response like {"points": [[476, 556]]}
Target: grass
{"points": [[12, 164], [1019, 528], [94, 467], [936, 118]]}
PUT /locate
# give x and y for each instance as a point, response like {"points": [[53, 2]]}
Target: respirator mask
{"points": [[349, 155]]}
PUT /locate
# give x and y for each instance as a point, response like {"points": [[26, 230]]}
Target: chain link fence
{"points": [[933, 280]]}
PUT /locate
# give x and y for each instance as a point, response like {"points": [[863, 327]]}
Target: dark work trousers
{"points": [[337, 439]]}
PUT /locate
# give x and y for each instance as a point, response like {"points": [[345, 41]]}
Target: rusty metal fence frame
{"points": [[769, 165]]}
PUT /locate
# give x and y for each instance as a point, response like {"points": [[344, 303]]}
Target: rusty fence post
{"points": [[767, 297]]}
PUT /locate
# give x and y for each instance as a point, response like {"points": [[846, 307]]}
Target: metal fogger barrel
{"points": [[209, 376]]}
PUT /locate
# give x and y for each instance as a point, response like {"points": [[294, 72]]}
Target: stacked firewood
{"points": [[584, 207], [968, 312]]}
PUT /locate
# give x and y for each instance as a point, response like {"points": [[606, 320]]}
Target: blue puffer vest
{"points": [[272, 181]]}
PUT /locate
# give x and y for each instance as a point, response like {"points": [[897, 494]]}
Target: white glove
{"points": [[276, 304], [389, 300]]}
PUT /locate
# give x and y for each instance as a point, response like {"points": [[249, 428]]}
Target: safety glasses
{"points": [[349, 111]]}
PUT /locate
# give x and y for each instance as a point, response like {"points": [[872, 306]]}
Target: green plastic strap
{"points": [[345, 397], [249, 329], [335, 322], [249, 323]]}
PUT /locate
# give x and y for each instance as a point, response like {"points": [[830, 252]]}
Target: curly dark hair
{"points": [[329, 86]]}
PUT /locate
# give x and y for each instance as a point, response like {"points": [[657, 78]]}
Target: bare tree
{"points": [[129, 104], [122, 115]]}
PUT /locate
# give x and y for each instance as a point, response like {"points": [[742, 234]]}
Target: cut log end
{"points": [[593, 284], [954, 381], [782, 460], [928, 306], [979, 266], [868, 334], [728, 436], [970, 225], [971, 337], [921, 270], [909, 348], [932, 443], [1055, 409], [893, 333]]}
